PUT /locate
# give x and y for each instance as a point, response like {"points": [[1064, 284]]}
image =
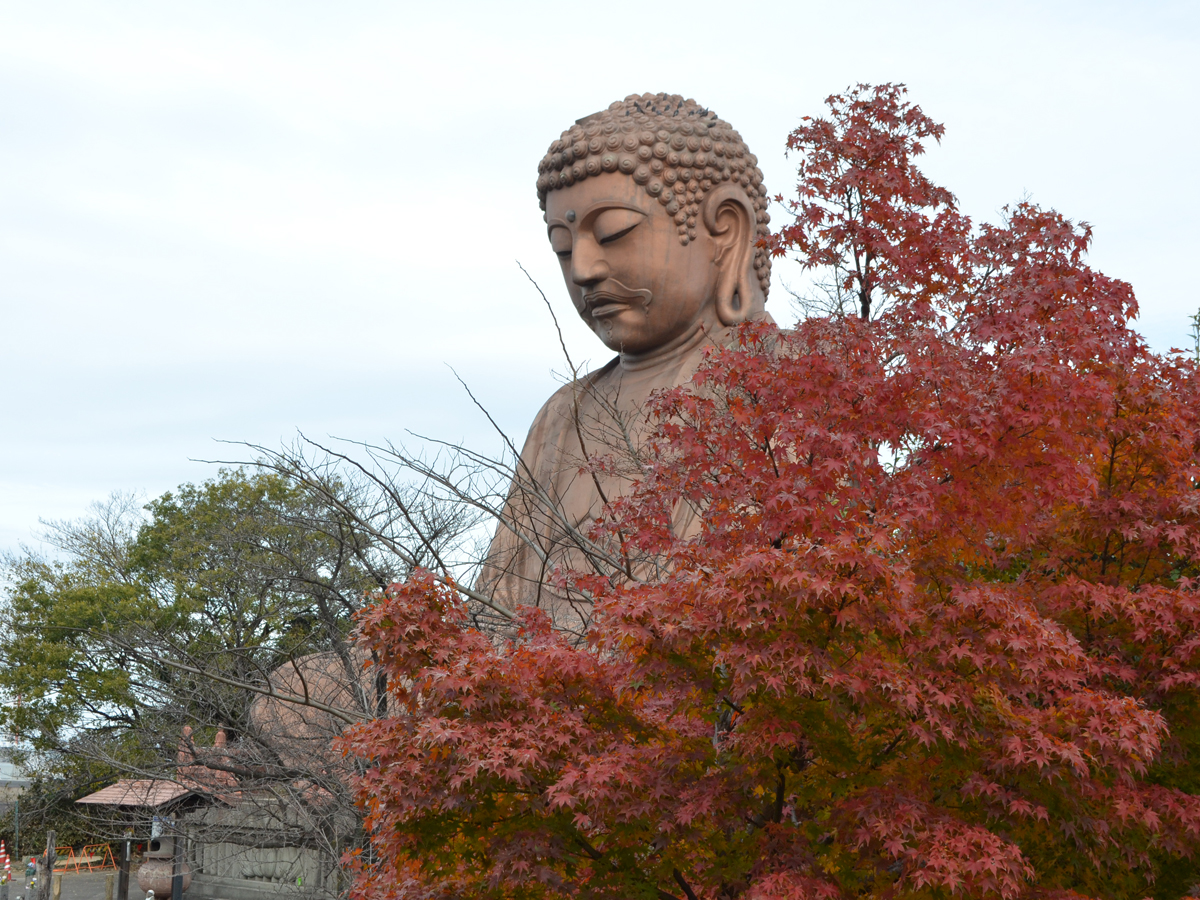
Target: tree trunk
{"points": [[45, 868]]}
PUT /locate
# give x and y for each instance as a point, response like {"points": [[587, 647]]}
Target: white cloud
{"points": [[231, 219]]}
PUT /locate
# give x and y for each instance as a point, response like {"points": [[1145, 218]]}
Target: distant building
{"points": [[13, 779]]}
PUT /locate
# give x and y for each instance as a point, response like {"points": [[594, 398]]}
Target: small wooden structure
{"points": [[161, 798]]}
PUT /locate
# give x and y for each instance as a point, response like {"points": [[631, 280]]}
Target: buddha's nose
{"points": [[587, 264]]}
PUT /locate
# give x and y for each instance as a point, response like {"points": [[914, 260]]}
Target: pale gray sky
{"points": [[238, 219]]}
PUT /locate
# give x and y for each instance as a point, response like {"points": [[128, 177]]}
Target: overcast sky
{"points": [[239, 220]]}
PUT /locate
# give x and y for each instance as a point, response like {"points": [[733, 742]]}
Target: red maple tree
{"points": [[937, 632]]}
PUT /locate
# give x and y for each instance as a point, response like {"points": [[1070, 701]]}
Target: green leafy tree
{"points": [[230, 578], [155, 631]]}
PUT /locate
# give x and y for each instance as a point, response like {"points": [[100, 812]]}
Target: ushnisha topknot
{"points": [[675, 149]]}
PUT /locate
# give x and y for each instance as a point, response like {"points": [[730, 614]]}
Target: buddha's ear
{"points": [[730, 220]]}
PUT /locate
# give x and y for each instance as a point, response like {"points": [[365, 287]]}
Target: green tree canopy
{"points": [[231, 577]]}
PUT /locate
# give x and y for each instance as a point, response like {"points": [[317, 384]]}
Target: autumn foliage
{"points": [[938, 633]]}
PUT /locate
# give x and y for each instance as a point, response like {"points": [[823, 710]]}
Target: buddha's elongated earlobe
{"points": [[730, 219]]}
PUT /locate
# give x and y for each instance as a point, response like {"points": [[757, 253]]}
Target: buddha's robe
{"points": [[553, 499]]}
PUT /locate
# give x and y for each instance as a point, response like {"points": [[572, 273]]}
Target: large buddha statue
{"points": [[655, 208]]}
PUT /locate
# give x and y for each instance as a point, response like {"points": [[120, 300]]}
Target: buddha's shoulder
{"points": [[563, 400], [555, 421]]}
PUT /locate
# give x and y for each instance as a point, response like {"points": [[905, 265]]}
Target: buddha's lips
{"points": [[603, 303]]}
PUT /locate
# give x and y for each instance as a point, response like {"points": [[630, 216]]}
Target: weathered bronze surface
{"points": [[655, 208]]}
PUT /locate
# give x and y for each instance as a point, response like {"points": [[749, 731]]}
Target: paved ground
{"points": [[84, 886]]}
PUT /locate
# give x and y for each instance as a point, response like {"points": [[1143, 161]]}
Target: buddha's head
{"points": [[655, 208]]}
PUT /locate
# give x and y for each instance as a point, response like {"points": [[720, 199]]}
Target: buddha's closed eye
{"points": [[620, 234], [613, 224]]}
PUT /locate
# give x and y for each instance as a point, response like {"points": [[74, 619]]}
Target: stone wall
{"points": [[242, 854]]}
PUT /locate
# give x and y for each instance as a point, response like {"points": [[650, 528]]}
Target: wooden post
{"points": [[177, 867], [46, 868], [123, 869], [56, 894], [109, 883]]}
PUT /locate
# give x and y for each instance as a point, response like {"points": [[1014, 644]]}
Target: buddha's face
{"points": [[631, 279]]}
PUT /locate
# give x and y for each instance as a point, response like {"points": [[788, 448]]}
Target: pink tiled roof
{"points": [[145, 792]]}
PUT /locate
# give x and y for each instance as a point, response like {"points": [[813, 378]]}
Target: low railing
{"points": [[91, 858]]}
